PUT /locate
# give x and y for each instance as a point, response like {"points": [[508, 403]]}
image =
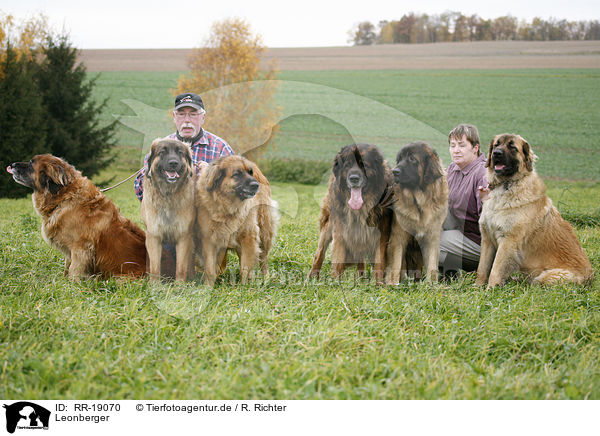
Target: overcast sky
{"points": [[306, 23]]}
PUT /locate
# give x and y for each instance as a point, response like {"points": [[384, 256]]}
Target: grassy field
{"points": [[286, 339], [555, 110]]}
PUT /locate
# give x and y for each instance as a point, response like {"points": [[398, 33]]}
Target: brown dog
{"points": [[234, 210], [356, 212], [420, 207], [79, 221], [520, 228], [168, 206]]}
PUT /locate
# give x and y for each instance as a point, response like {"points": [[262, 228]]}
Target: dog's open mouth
{"points": [[356, 200], [502, 169], [171, 176], [247, 193]]}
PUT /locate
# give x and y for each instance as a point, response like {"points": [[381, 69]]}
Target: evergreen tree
{"points": [[74, 132], [22, 119]]}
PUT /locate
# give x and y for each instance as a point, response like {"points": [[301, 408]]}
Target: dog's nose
{"points": [[396, 172], [173, 164], [253, 186], [497, 152], [354, 179]]}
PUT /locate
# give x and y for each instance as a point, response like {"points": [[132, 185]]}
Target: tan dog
{"points": [[420, 207], [520, 228], [168, 206], [79, 221], [234, 210], [356, 212]]}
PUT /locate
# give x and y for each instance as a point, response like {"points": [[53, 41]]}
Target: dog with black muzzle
{"points": [[420, 207], [168, 205], [521, 230], [234, 210], [80, 221], [356, 212]]}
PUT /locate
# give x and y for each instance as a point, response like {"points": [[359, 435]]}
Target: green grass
{"points": [[555, 110], [283, 338], [286, 339]]}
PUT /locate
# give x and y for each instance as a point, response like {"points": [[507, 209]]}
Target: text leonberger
{"points": [[79, 221], [520, 228], [234, 210], [420, 207], [168, 205], [356, 212]]}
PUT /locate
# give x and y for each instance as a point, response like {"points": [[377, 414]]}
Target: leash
{"points": [[122, 181]]}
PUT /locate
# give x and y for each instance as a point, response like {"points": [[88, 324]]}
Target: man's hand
{"points": [[198, 167]]}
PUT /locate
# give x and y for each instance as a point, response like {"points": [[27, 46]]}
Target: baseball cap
{"points": [[190, 100]]}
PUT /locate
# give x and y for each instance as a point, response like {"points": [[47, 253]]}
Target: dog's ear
{"points": [[188, 158], [54, 179], [488, 162], [153, 154], [337, 164], [528, 156], [215, 178], [398, 156], [433, 168]]}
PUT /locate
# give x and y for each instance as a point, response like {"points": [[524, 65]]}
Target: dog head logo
{"points": [[26, 415]]}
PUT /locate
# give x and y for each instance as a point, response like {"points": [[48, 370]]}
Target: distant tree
{"points": [[363, 34], [73, 128], [461, 28], [472, 24], [504, 28], [224, 72], [22, 119], [386, 33], [445, 27], [420, 32], [454, 26], [26, 38], [593, 30], [404, 29]]}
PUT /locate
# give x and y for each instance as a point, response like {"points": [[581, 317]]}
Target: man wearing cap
{"points": [[189, 116]]}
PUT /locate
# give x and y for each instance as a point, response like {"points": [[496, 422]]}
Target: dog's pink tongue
{"points": [[499, 167], [356, 200], [172, 175], [9, 169]]}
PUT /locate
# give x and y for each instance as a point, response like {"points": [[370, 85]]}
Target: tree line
{"points": [[46, 103], [456, 27]]}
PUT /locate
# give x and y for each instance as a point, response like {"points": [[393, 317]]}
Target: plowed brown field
{"points": [[465, 55]]}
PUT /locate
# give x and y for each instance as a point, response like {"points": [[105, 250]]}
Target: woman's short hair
{"points": [[469, 131]]}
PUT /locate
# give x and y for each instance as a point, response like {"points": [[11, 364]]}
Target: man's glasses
{"points": [[193, 115]]}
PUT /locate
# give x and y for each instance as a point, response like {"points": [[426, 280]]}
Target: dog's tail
{"points": [[268, 222]]}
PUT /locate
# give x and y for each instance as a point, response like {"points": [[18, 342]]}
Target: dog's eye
{"points": [[412, 159], [238, 173], [251, 171]]}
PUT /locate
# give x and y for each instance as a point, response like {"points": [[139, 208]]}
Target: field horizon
{"points": [[441, 55]]}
